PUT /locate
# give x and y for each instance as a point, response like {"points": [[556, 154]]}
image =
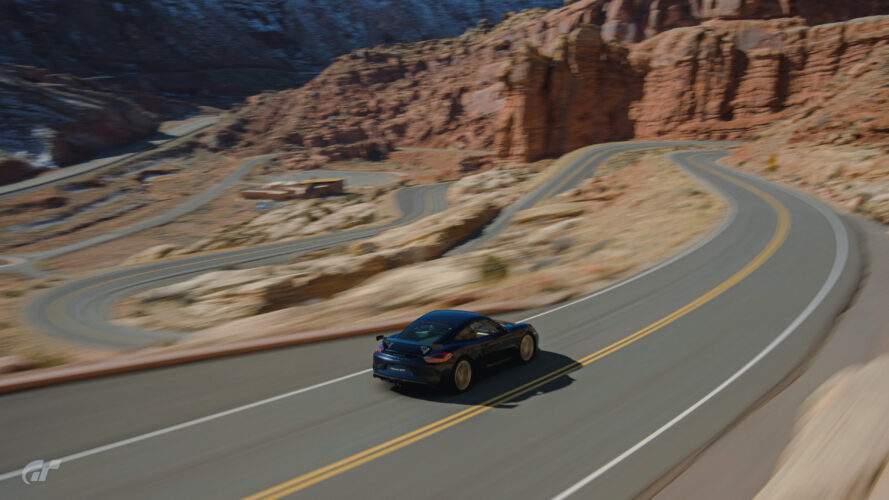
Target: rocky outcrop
{"points": [[544, 83], [840, 445], [579, 95], [58, 119], [720, 80], [433, 236], [226, 295], [14, 169], [150, 254], [634, 21], [730, 79]]}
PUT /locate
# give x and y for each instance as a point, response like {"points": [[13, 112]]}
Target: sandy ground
{"points": [[641, 211], [127, 200], [660, 210]]}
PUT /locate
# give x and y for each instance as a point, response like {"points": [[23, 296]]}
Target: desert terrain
{"points": [[524, 163]]}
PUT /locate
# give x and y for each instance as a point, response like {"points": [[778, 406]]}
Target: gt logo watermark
{"points": [[39, 469]]}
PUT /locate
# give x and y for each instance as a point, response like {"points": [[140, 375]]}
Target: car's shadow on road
{"points": [[507, 385]]}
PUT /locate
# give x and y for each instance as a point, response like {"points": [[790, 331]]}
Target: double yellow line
{"points": [[316, 476]]}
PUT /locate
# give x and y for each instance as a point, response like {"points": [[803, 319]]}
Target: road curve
{"points": [[631, 380], [189, 206], [78, 310]]}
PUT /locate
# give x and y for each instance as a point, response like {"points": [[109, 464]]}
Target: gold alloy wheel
{"points": [[526, 348], [462, 375]]}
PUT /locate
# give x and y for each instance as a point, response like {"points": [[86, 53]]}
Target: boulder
{"points": [[427, 239], [550, 211], [14, 363], [151, 254], [13, 169], [840, 443]]}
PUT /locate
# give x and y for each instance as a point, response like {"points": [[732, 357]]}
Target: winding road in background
{"points": [[129, 152], [78, 310], [631, 380]]}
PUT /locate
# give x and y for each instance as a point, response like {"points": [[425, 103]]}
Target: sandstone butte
{"points": [[543, 83]]}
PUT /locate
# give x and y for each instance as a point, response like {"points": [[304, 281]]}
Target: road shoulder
{"points": [[741, 461]]}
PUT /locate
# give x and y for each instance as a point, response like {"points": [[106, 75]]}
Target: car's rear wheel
{"points": [[461, 378], [527, 348]]}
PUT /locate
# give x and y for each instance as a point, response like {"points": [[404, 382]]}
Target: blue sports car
{"points": [[445, 349]]}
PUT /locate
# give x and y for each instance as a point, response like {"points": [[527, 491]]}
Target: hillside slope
{"points": [[58, 119], [212, 50]]}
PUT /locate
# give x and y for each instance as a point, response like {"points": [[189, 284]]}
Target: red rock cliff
{"points": [[719, 80], [542, 84]]}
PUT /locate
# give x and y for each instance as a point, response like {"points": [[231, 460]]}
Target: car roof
{"points": [[453, 318]]}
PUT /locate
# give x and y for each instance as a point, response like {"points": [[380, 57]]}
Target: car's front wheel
{"points": [[461, 377], [527, 348]]}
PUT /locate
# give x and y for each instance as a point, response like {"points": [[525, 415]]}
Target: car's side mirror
{"points": [[380, 337]]}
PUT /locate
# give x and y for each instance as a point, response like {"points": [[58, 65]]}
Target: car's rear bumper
{"points": [[401, 370]]}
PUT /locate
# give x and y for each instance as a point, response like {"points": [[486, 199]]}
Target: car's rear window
{"points": [[427, 332]]}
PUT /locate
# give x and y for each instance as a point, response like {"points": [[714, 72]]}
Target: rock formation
{"points": [[65, 118], [544, 83], [14, 169], [840, 443], [540, 83], [225, 295], [579, 95]]}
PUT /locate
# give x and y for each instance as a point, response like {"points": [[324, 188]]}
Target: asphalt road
{"points": [[191, 205], [77, 310], [67, 173], [569, 177], [630, 381]]}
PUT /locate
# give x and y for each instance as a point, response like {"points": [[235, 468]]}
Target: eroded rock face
{"points": [[633, 20], [720, 80], [544, 83], [68, 118], [13, 169], [579, 95], [729, 79], [840, 441], [221, 296]]}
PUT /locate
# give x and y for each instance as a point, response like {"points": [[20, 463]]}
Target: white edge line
{"points": [[838, 265], [190, 423], [166, 430]]}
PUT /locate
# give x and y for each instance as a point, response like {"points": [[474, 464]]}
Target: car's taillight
{"points": [[380, 348], [440, 357]]}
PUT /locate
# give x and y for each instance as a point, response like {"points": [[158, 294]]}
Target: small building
{"points": [[308, 188], [266, 194], [315, 188]]}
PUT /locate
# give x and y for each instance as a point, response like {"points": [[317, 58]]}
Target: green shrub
{"points": [[493, 269]]}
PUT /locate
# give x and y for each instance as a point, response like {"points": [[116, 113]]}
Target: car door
{"points": [[497, 346], [471, 344]]}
